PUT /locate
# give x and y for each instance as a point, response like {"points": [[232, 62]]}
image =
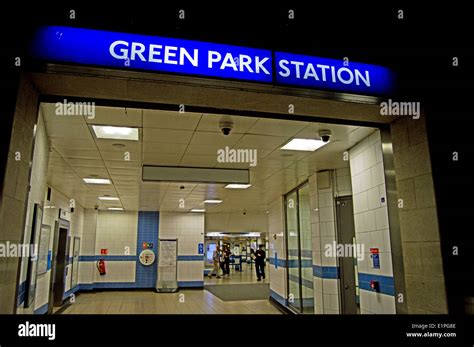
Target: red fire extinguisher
{"points": [[101, 267]]}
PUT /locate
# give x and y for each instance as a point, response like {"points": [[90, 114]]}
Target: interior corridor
{"points": [[187, 301]]}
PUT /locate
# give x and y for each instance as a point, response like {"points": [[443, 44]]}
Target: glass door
{"points": [[299, 250], [306, 250], [293, 259]]}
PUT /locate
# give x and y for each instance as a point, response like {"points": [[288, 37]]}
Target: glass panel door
{"points": [[306, 256], [299, 250], [293, 261]]}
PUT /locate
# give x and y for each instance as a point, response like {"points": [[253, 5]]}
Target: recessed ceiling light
{"points": [[108, 198], [237, 186], [198, 210], [116, 133], [115, 209], [91, 180], [118, 145], [304, 145], [212, 201]]}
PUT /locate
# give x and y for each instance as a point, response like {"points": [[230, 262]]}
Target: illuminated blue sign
{"points": [[332, 74], [94, 47], [111, 49]]}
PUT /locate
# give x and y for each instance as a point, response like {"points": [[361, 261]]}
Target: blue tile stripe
{"points": [[331, 272], [278, 298], [108, 257], [42, 309], [292, 263], [304, 253], [308, 302], [147, 231], [278, 262], [304, 281], [190, 257], [305, 263], [21, 293], [70, 291], [190, 284], [386, 283]]}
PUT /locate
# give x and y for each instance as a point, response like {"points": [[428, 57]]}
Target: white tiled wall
{"points": [[371, 217], [39, 172], [50, 215], [188, 228], [117, 232], [325, 186]]}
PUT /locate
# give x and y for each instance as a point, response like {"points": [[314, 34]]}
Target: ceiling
{"points": [[184, 139]]}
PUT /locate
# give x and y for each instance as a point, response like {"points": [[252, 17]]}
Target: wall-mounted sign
{"points": [[96, 47], [147, 245], [374, 254], [147, 257], [121, 50], [104, 251], [200, 248], [332, 74]]}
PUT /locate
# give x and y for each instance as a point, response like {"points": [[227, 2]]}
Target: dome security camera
{"points": [[226, 125], [325, 135]]}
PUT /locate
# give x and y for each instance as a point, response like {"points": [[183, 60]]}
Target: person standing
{"points": [[260, 262], [215, 262], [226, 263]]}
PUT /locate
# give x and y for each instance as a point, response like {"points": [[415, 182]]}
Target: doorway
{"points": [[347, 263], [59, 266], [300, 258]]}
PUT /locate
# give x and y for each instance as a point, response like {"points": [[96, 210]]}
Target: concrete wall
{"points": [[13, 200], [424, 278]]}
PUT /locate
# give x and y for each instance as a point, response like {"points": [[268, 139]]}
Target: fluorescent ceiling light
{"points": [[108, 198], [304, 145], [116, 133], [115, 209], [212, 201], [96, 180], [237, 186], [198, 210]]}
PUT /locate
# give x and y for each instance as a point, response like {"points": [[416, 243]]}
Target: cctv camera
{"points": [[225, 125], [96, 207], [325, 135]]}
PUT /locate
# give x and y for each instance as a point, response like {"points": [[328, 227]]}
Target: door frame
{"points": [[60, 224], [300, 273], [339, 262]]}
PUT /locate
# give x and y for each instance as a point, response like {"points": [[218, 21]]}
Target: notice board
{"points": [[167, 276]]}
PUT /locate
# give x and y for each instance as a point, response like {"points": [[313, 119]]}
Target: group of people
{"points": [[221, 260]]}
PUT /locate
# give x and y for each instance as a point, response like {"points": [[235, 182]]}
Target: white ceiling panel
{"points": [[169, 138]]}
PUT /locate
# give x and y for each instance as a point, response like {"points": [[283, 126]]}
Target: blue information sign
{"points": [[200, 248], [332, 74], [151, 53], [104, 48]]}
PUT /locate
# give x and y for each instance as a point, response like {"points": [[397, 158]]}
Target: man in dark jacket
{"points": [[260, 262]]}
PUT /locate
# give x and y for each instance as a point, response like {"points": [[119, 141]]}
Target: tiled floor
{"points": [[190, 301], [186, 301], [248, 275]]}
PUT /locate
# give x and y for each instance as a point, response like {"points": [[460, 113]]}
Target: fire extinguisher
{"points": [[101, 267]]}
